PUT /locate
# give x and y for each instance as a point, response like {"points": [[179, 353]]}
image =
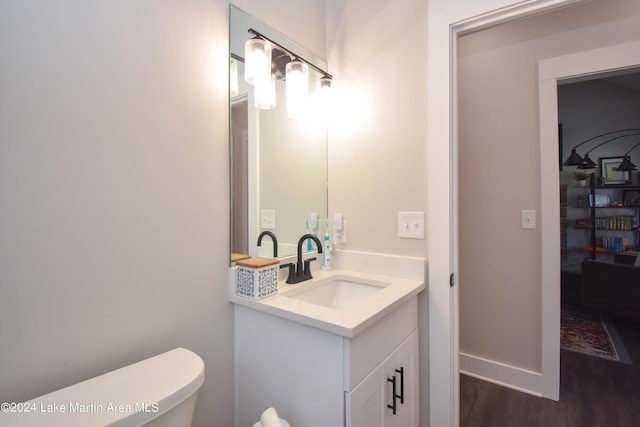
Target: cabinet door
{"points": [[401, 369], [371, 403], [366, 402]]}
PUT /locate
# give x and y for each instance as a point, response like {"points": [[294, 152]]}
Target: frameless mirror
{"points": [[278, 164]]}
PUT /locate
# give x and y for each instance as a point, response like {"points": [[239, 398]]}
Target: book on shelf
{"points": [[614, 244], [626, 222]]}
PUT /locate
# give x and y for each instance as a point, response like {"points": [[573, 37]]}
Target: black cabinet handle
{"points": [[392, 380], [394, 391], [401, 396]]}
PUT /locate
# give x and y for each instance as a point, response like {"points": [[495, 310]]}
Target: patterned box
{"points": [[257, 277]]}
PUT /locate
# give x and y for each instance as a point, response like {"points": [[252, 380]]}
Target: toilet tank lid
{"points": [[132, 395]]}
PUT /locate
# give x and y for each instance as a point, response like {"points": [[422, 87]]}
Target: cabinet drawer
{"points": [[366, 350]]}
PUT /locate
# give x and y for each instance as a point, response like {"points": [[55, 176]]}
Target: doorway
{"points": [[519, 269], [597, 113]]}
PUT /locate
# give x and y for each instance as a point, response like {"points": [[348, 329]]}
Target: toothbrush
{"points": [[326, 265], [309, 247]]}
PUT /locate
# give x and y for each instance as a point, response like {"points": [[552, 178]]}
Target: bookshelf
{"points": [[609, 228]]}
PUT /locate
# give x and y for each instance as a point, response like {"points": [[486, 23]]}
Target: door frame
{"points": [[552, 71], [446, 22]]}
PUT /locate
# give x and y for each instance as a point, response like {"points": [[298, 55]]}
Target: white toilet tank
{"points": [[159, 391]]}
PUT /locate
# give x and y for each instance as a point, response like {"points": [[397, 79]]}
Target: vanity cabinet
{"points": [[317, 378]]}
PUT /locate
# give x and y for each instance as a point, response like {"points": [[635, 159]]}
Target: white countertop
{"points": [[347, 322]]}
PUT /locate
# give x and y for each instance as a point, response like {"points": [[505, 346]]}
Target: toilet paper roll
{"points": [[283, 423], [270, 418]]}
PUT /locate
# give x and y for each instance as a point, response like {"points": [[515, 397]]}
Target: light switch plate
{"points": [[411, 225], [529, 219], [268, 219]]}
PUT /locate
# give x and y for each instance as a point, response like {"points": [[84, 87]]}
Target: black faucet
{"points": [[275, 241], [298, 273]]}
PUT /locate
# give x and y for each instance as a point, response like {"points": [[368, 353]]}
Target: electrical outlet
{"points": [[411, 225]]}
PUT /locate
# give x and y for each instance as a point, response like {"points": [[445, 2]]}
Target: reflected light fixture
{"points": [[265, 95], [233, 77], [297, 87], [257, 65]]}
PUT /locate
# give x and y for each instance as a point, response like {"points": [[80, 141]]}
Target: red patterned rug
{"points": [[591, 333]]}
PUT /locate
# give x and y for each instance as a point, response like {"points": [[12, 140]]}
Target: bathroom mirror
{"points": [[278, 164]]}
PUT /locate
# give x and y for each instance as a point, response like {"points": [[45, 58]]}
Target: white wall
{"points": [[500, 308], [114, 189], [119, 190], [377, 145], [377, 139], [391, 152], [301, 21]]}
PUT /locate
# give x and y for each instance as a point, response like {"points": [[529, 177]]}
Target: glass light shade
{"points": [[323, 89], [233, 78], [323, 99], [297, 88], [257, 61], [265, 95]]}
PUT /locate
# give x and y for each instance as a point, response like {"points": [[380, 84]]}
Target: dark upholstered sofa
{"points": [[611, 287]]}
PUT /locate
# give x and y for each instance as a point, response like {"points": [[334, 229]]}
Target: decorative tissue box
{"points": [[257, 277]]}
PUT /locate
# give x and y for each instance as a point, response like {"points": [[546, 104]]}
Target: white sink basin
{"points": [[342, 302], [338, 292]]}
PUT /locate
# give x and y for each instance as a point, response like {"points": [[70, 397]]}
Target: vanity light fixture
{"points": [[324, 85], [286, 65], [257, 65], [323, 89], [323, 100]]}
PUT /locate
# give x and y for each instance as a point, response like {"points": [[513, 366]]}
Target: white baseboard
{"points": [[499, 373]]}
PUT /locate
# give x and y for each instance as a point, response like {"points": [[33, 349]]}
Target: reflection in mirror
{"points": [[278, 164]]}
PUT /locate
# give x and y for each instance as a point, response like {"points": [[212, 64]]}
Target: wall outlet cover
{"points": [[529, 219], [268, 219]]}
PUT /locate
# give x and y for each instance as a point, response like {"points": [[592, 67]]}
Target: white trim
{"points": [[509, 13], [444, 396], [549, 241], [455, 239], [551, 71], [595, 61], [502, 374]]}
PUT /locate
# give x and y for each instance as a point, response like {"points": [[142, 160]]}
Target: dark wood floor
{"points": [[593, 392]]}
